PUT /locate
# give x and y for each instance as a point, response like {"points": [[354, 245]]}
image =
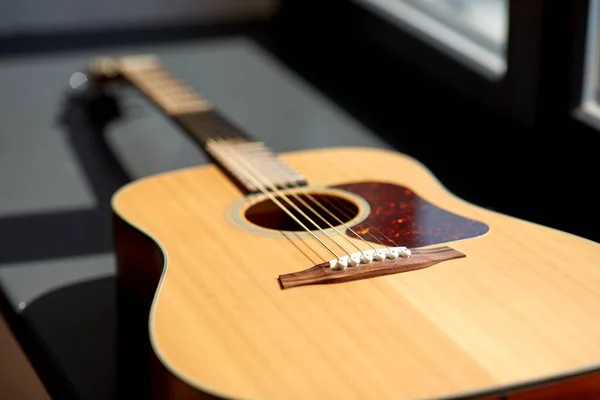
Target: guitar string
{"points": [[162, 85], [369, 224], [306, 193], [295, 195], [319, 215], [287, 211], [146, 80], [259, 186], [274, 189], [347, 216], [315, 212], [319, 204]]}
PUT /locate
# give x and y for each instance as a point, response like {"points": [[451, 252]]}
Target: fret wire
{"points": [[151, 89], [168, 84], [257, 151], [163, 88], [186, 106], [172, 96]]}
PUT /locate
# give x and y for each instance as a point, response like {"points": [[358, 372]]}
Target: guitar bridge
{"points": [[351, 268]]}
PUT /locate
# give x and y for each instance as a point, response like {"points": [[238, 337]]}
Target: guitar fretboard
{"points": [[170, 94], [252, 164]]}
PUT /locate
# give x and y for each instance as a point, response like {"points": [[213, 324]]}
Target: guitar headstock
{"points": [[104, 69]]}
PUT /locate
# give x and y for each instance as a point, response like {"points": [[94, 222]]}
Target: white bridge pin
{"points": [[354, 261], [392, 254], [404, 252], [368, 257], [341, 264]]}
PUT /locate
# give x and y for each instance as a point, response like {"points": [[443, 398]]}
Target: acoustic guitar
{"points": [[342, 273]]}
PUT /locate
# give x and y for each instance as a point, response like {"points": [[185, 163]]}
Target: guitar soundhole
{"points": [[322, 210]]}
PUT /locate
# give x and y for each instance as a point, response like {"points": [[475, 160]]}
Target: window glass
{"points": [[473, 31], [590, 99]]}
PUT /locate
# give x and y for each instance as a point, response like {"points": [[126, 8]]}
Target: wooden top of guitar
{"points": [[522, 306]]}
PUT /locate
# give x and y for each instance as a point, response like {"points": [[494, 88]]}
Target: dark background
{"points": [[512, 145]]}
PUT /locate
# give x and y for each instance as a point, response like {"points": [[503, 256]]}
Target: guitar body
{"points": [[516, 317]]}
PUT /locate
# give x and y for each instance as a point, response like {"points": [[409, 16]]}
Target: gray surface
{"points": [[241, 79], [248, 86], [23, 283], [37, 169]]}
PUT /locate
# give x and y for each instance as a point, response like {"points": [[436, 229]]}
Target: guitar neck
{"points": [[251, 164]]}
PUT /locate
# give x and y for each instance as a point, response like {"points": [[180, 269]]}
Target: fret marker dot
{"points": [[77, 79]]}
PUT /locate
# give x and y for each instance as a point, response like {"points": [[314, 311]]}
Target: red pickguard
{"points": [[400, 217]]}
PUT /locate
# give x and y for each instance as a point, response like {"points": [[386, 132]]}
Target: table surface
{"points": [[56, 263]]}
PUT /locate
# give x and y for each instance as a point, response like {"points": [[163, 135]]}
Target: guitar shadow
{"points": [[100, 349], [85, 340], [76, 328]]}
